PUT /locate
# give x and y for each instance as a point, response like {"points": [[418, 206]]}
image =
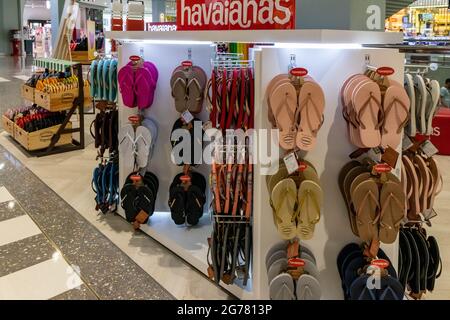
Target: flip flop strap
{"points": [[197, 84], [280, 295], [306, 290], [178, 80], [305, 200], [233, 98], [284, 104], [283, 198], [365, 107], [305, 105], [224, 99], [389, 110], [385, 206], [369, 196]]}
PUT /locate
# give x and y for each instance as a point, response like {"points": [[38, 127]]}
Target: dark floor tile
{"points": [[24, 253], [78, 294], [10, 210], [109, 272]]}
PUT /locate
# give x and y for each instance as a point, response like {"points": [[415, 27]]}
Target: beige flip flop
{"points": [[311, 113], [366, 202], [283, 102], [284, 201], [393, 211], [413, 180], [310, 201], [396, 116], [366, 103], [424, 179], [437, 181]]}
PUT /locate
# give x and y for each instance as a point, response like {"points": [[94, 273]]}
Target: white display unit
{"points": [[331, 57]]}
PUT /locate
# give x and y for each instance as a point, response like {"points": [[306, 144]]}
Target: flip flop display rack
{"points": [[294, 197], [58, 87]]}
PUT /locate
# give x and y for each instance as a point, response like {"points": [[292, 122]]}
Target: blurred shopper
{"points": [[445, 94]]}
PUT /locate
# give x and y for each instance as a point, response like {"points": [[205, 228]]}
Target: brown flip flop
{"points": [[351, 175], [424, 178], [393, 211], [311, 112], [365, 199]]}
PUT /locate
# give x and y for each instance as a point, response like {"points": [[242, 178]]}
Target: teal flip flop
{"points": [[99, 92], [93, 78], [105, 75], [113, 81]]}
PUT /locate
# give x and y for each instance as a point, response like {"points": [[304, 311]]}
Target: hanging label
{"points": [[187, 117], [187, 63], [429, 149], [380, 263], [406, 143], [235, 14], [382, 168], [385, 71], [135, 58], [291, 163], [302, 166], [296, 263], [299, 72]]}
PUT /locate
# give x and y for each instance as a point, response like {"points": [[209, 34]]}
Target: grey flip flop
{"points": [[282, 288], [277, 268], [282, 254], [308, 288]]}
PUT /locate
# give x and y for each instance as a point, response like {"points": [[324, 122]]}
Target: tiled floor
{"points": [[31, 209]]}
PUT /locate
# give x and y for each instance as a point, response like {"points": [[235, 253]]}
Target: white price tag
{"points": [[207, 125], [429, 149], [291, 163], [187, 117]]}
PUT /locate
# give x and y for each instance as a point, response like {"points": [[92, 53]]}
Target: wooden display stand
{"points": [[41, 139], [8, 125], [61, 100], [28, 93]]}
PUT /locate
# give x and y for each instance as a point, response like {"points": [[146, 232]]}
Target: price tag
{"points": [[429, 149], [406, 143], [187, 117], [207, 125], [291, 163]]}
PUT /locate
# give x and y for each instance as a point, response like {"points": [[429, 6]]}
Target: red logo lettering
{"points": [[296, 263], [135, 58], [382, 168], [299, 72], [235, 14], [385, 71], [380, 263]]}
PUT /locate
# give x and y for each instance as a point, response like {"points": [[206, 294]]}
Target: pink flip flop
{"points": [[126, 79], [311, 111], [396, 116], [366, 103], [283, 102], [144, 88]]}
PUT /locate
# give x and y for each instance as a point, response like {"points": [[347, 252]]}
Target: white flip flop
{"points": [[421, 103], [127, 148], [409, 86], [143, 146], [431, 112]]}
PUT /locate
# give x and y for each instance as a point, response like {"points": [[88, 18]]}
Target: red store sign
{"points": [[235, 14]]}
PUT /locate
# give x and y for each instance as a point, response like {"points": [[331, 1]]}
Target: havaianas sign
{"points": [[235, 14]]}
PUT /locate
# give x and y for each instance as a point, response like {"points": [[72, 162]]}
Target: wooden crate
{"points": [[8, 125], [41, 139], [60, 101], [28, 93], [84, 57]]}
